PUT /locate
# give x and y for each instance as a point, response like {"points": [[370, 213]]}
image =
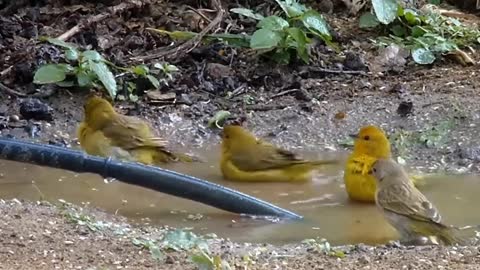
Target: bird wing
{"points": [[404, 199], [130, 132], [264, 156]]}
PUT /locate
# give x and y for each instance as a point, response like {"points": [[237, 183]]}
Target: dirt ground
{"points": [[292, 106]]}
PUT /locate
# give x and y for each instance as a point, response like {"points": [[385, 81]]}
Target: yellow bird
{"points": [[105, 133], [371, 144], [246, 158]]}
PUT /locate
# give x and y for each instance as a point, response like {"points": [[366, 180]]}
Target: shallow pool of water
{"points": [[323, 202]]}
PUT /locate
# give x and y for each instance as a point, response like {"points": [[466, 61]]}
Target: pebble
{"points": [[33, 108]]}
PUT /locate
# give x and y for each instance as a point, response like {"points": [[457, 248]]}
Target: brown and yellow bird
{"points": [[408, 210], [370, 144], [105, 133], [246, 158]]}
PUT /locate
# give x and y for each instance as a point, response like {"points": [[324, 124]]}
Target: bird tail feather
{"points": [[459, 235]]}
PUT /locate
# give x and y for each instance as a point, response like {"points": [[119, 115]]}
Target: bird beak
{"points": [[354, 136]]}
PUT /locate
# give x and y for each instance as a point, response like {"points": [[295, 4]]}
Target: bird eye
{"points": [[374, 170], [366, 138]]}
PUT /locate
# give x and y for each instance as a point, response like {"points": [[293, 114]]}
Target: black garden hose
{"points": [[155, 178]]}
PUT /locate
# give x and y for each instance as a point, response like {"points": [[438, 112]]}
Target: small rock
{"points": [[170, 259], [325, 6], [208, 86], [471, 153], [353, 61], [303, 95], [306, 107], [33, 108], [405, 108], [364, 260], [14, 118], [229, 83], [24, 72], [185, 99], [217, 71]]}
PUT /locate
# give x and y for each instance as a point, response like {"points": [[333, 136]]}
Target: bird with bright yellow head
{"points": [[104, 132], [246, 158], [370, 144]]}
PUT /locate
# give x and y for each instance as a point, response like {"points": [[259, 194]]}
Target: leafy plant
{"points": [[280, 37], [183, 240], [277, 37], [424, 32], [88, 68], [83, 68], [204, 261], [323, 246], [155, 251]]}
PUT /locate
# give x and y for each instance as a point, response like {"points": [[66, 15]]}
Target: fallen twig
{"points": [[99, 17], [334, 71], [286, 92], [10, 91], [190, 44], [259, 107]]}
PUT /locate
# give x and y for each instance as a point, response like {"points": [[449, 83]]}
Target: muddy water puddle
{"points": [[323, 202]]}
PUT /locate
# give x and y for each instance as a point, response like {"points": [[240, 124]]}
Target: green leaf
{"points": [[84, 79], [368, 20], [141, 70], [411, 17], [71, 55], [265, 39], [92, 55], [301, 42], [385, 10], [418, 31], [178, 35], [247, 13], [423, 56], [273, 23], [400, 11], [157, 254], [398, 30], [445, 46], [281, 56], [315, 22], [235, 40], [203, 261], [105, 76], [154, 81], [292, 8], [51, 73], [183, 240], [65, 83]]}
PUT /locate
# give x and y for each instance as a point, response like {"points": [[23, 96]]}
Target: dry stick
{"points": [[111, 11], [12, 92], [333, 71], [192, 43], [284, 93]]}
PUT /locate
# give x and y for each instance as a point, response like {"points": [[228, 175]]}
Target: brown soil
{"points": [[217, 77], [42, 236]]}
